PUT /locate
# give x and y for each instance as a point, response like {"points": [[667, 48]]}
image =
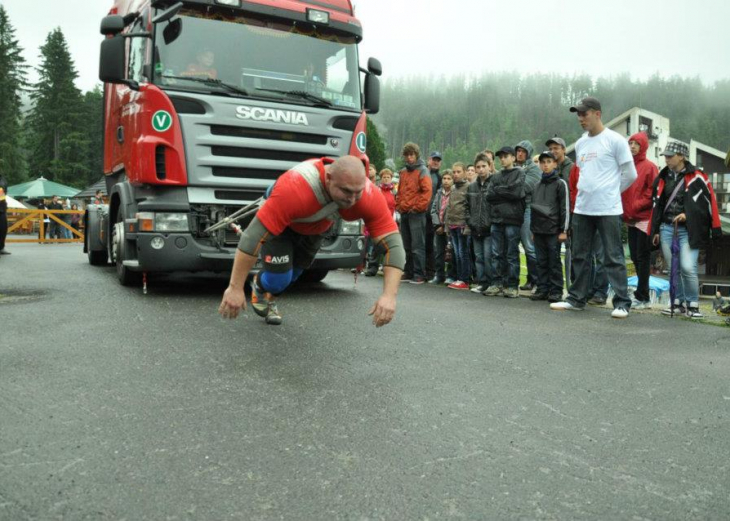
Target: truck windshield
{"points": [[258, 57]]}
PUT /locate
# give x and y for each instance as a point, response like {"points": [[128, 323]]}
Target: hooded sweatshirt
{"points": [[532, 172], [387, 190], [414, 189], [636, 199]]}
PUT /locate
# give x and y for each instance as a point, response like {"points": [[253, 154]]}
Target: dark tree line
{"points": [[460, 116]]}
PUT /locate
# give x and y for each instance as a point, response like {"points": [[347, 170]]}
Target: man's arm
{"points": [[395, 258], [628, 175]]}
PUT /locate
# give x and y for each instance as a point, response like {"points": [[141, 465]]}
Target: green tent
{"points": [[41, 187]]}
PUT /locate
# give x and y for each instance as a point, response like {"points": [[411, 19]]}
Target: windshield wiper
{"points": [[302, 94], [211, 82]]}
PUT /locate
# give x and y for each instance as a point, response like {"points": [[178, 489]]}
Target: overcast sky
{"points": [[607, 37]]}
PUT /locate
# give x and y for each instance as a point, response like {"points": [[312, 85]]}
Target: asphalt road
{"points": [[119, 405]]}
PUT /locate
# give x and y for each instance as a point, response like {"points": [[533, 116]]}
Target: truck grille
{"points": [[259, 153], [271, 135]]}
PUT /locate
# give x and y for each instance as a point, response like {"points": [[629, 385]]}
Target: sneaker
{"points": [[371, 273], [597, 301], [538, 296], [527, 286], [459, 285], [676, 310], [273, 317], [694, 313], [449, 280], [436, 280], [406, 276], [511, 293], [564, 306], [4, 252], [479, 288], [638, 304], [620, 313], [417, 280], [555, 298], [259, 302], [493, 291]]}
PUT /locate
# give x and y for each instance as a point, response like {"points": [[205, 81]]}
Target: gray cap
{"points": [[557, 140], [586, 104], [676, 147]]}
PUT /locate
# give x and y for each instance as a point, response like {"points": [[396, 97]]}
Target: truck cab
{"points": [[206, 103]]}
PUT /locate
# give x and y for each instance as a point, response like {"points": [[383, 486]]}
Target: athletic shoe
{"points": [[436, 280], [597, 301], [493, 291], [511, 293], [479, 288], [4, 252], [555, 298], [417, 280], [273, 317], [620, 313], [538, 296], [259, 302], [370, 273], [677, 310], [527, 286], [694, 314], [458, 285], [564, 306], [449, 280], [638, 304]]}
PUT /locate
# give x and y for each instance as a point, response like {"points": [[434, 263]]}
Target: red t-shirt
{"points": [[292, 198]]}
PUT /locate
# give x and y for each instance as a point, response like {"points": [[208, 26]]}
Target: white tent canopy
{"points": [[14, 203]]}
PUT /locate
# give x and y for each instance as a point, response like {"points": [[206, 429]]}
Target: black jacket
{"points": [[506, 196], [550, 206], [700, 206], [477, 208], [4, 186]]}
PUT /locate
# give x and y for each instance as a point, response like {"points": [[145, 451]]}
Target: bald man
{"points": [[287, 233]]}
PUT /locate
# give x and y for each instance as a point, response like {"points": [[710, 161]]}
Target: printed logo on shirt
{"points": [[586, 158], [271, 259]]}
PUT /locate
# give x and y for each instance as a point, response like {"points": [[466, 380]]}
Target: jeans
{"points": [[3, 229], [599, 278], [549, 266], [506, 255], [429, 266], [688, 285], [529, 246], [608, 228], [483, 251], [413, 231], [439, 258], [640, 249], [461, 254]]}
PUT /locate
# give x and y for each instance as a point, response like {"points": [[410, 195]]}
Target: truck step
{"points": [[131, 264]]}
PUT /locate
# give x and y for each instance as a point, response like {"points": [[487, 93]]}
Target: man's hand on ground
{"points": [[233, 302], [383, 310]]}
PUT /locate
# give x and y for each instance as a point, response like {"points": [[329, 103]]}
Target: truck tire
{"points": [[121, 252], [96, 258], [313, 275]]}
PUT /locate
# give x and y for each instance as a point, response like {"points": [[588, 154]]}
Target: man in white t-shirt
{"points": [[606, 169]]}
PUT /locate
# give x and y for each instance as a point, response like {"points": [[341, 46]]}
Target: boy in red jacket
{"points": [[387, 188], [637, 204]]}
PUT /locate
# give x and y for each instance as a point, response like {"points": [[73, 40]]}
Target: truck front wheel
{"points": [[121, 251]]}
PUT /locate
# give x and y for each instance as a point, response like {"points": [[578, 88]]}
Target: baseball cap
{"points": [[557, 140], [547, 153], [504, 151], [436, 155], [586, 104], [676, 147]]}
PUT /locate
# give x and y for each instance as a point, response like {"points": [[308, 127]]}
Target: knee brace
{"points": [[276, 283]]}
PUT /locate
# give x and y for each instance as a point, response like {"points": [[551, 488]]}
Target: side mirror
{"points": [[372, 94], [172, 30], [374, 67], [111, 60], [112, 25], [167, 13]]}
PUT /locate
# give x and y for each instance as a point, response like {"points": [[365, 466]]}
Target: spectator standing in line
{"points": [[458, 230], [606, 170], [441, 234], [556, 145], [98, 197], [480, 223], [532, 174], [373, 174], [471, 173], [387, 188], [637, 204], [3, 214], [75, 219], [412, 202], [506, 196], [434, 167], [55, 232], [683, 198], [549, 225]]}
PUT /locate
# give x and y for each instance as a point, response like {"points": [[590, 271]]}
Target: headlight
{"points": [[351, 227], [171, 222], [318, 17]]}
